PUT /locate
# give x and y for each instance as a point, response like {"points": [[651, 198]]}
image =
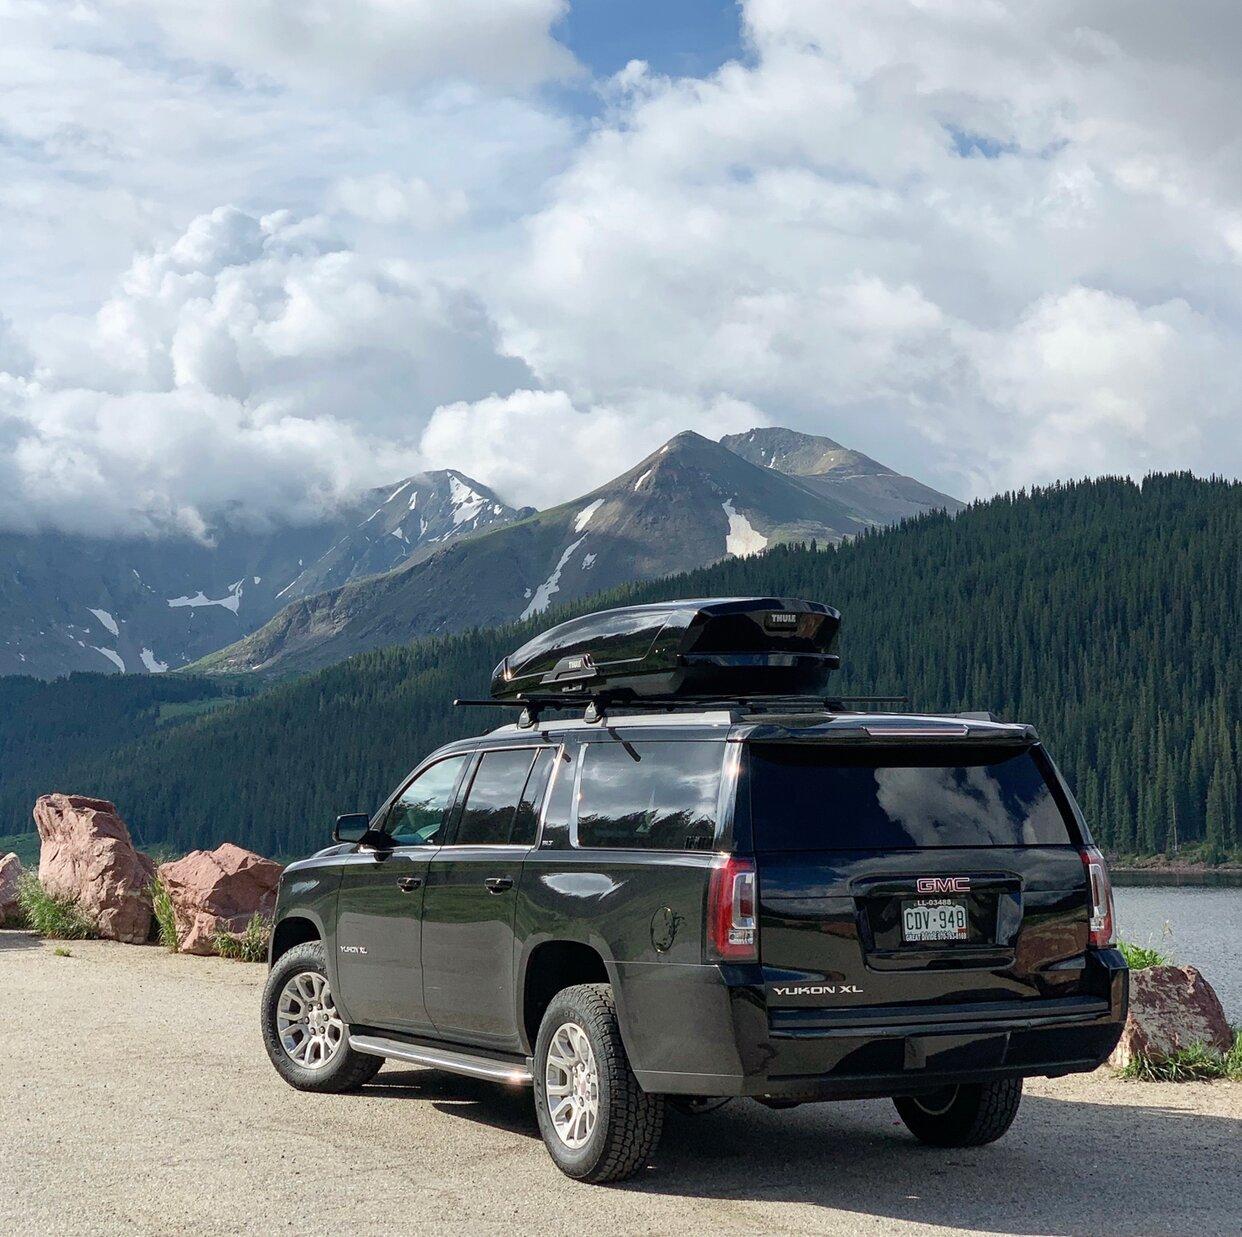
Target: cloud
{"points": [[254, 364], [988, 244], [537, 447], [939, 232], [368, 44]]}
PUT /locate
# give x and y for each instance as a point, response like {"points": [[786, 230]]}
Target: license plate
{"points": [[941, 920]]}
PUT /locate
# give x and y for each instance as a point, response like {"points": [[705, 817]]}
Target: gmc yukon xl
{"points": [[674, 899]]}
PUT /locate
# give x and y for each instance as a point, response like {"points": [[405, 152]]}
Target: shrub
{"points": [[1139, 957], [165, 918], [53, 915], [249, 945]]}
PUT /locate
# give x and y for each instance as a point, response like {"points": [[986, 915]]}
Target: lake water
{"points": [[1195, 925]]}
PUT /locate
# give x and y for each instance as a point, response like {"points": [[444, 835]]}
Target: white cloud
{"points": [[939, 232], [252, 363], [990, 244], [537, 447], [391, 44]]}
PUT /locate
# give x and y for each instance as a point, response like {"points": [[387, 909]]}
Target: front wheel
{"points": [[304, 1035], [597, 1122], [969, 1115]]}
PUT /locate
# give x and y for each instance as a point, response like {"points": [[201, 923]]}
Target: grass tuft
{"points": [[249, 945], [165, 918], [61, 952], [1139, 957], [53, 916], [1194, 1064]]}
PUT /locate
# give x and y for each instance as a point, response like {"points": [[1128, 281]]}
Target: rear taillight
{"points": [[1100, 892], [732, 926]]}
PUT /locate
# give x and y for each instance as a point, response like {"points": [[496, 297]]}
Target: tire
{"points": [[627, 1121], [966, 1116], [329, 1065]]}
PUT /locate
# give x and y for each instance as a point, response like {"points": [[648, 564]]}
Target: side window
{"points": [[650, 796], [526, 822], [492, 801], [417, 817]]}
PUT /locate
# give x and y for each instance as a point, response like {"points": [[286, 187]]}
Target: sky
{"points": [[257, 255]]}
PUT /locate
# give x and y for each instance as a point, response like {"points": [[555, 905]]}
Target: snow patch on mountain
{"points": [[743, 539], [106, 619], [152, 662], [465, 502], [583, 518], [543, 594], [231, 601], [639, 482], [113, 656]]}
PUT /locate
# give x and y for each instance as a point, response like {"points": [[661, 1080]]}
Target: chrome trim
{"points": [[443, 1058]]}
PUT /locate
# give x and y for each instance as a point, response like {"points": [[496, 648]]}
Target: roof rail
{"points": [[596, 706]]}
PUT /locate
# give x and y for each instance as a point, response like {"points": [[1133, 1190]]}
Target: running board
{"points": [[443, 1058]]}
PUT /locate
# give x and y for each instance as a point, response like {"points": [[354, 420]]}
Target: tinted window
{"points": [[803, 797], [417, 817], [656, 796], [526, 822], [493, 797]]}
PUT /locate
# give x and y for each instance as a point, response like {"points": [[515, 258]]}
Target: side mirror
{"points": [[352, 827]]}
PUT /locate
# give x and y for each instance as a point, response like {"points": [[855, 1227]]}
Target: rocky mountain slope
{"points": [[690, 503], [871, 492], [79, 603]]}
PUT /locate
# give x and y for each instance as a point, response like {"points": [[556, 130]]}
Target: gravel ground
{"points": [[137, 1096]]}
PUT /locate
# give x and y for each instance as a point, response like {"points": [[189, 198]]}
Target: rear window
{"points": [[805, 797], [652, 796]]}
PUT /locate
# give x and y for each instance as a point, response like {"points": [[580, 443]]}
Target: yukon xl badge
{"points": [[353, 949], [943, 884], [816, 990]]}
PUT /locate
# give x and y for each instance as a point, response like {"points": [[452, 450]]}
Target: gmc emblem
{"points": [[943, 884]]}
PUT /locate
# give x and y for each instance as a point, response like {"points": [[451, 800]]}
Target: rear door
{"points": [[471, 895], [899, 876]]}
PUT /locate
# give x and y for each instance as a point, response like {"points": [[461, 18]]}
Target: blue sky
{"points": [[267, 254], [676, 37]]}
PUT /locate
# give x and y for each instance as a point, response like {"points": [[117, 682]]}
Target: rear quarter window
{"points": [[806, 797], [650, 796]]}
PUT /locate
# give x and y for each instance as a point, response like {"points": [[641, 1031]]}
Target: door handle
{"points": [[498, 884], [408, 883]]}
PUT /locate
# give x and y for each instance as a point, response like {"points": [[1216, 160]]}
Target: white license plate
{"points": [[941, 920]]}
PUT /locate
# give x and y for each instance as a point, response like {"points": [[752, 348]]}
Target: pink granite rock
{"points": [[218, 890], [10, 874], [1171, 1007], [87, 854]]}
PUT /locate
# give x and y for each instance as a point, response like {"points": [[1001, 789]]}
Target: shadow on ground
{"points": [[17, 939], [1065, 1166]]}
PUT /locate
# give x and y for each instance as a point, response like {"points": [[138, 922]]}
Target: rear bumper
{"points": [[843, 1054]]}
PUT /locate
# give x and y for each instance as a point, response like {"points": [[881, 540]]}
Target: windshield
{"points": [[805, 796]]}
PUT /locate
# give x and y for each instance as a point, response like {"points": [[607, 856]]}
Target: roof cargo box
{"points": [[715, 648]]}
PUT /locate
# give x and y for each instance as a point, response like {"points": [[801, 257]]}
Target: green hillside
{"points": [[1104, 612]]}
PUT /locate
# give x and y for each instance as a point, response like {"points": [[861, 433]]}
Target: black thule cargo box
{"points": [[720, 648]]}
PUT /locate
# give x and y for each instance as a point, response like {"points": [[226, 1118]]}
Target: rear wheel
{"points": [[305, 1037], [964, 1116], [597, 1122]]}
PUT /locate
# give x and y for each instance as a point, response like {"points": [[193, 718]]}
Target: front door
{"points": [[379, 907], [471, 895]]}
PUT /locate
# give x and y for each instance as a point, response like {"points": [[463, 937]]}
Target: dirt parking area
{"points": [[136, 1096]]}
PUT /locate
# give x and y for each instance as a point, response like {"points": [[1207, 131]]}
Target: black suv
{"points": [[670, 898]]}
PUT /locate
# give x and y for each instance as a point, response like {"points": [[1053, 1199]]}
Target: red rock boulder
{"points": [[1171, 1007], [10, 875], [87, 854], [218, 890]]}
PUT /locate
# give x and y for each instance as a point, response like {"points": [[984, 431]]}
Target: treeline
{"points": [[1104, 612]]}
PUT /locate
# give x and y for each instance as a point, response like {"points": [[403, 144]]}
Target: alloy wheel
{"points": [[311, 1031]]}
